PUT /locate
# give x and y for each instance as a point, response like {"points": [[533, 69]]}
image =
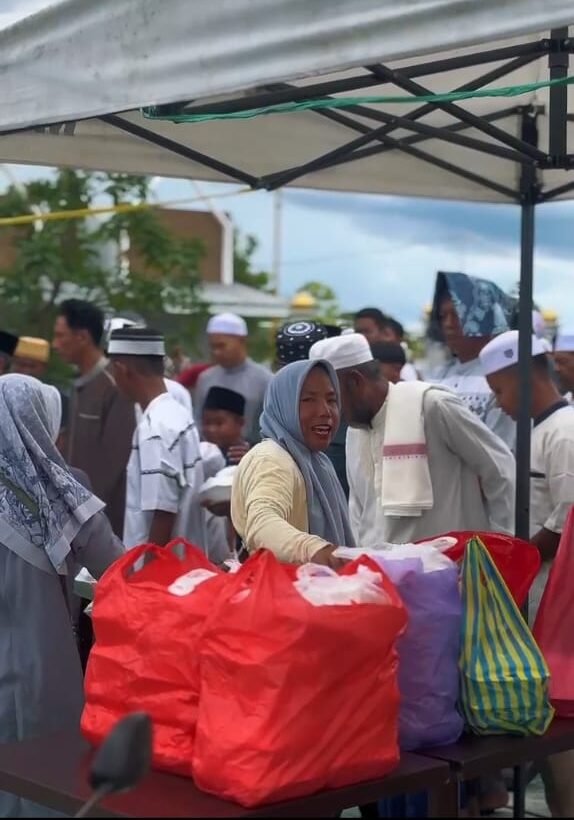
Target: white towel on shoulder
{"points": [[406, 488]]}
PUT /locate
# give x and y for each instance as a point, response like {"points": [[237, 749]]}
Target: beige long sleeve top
{"points": [[269, 505]]}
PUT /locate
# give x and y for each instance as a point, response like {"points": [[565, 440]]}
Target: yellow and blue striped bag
{"points": [[504, 677]]}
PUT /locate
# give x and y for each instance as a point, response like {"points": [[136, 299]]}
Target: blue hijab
{"points": [[483, 309], [326, 502]]}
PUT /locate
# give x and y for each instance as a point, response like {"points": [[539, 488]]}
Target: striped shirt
{"points": [[164, 470]]}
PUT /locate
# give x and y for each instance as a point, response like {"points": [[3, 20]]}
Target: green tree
{"points": [[261, 334], [82, 257], [244, 249], [328, 309]]}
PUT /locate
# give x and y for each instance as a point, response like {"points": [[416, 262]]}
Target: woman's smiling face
{"points": [[319, 413]]}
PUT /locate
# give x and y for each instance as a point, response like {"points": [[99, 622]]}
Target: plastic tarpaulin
{"points": [[72, 61]]}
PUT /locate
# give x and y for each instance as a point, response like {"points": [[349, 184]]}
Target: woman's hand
{"points": [[326, 558]]}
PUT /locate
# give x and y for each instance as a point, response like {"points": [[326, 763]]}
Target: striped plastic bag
{"points": [[504, 677]]}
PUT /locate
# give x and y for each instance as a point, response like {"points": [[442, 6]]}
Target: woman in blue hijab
{"points": [[286, 495]]}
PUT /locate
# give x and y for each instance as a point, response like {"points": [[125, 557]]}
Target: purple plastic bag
{"points": [[428, 653]]}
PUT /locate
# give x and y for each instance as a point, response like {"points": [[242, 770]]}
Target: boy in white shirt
{"points": [[552, 454], [551, 493], [165, 469]]}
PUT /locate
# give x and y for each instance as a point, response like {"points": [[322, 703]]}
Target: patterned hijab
{"points": [[326, 502], [483, 309], [42, 506]]}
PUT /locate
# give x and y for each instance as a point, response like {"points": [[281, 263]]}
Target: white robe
{"points": [[467, 380], [551, 483], [472, 474]]}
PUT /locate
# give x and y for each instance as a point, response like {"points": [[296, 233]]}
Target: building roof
{"points": [[246, 301]]}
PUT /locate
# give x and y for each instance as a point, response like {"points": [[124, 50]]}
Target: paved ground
{"points": [[535, 804]]}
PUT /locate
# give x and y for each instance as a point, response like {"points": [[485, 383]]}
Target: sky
{"points": [[385, 251]]}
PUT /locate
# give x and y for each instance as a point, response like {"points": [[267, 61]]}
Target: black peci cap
{"points": [[221, 398]]}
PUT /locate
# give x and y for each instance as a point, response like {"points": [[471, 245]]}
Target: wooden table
{"points": [[52, 771], [475, 756]]}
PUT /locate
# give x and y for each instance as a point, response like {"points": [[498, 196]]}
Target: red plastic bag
{"points": [[517, 561], [147, 624], [554, 625], [295, 697]]}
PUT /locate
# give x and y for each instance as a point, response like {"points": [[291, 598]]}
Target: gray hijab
{"points": [[42, 505], [326, 502]]}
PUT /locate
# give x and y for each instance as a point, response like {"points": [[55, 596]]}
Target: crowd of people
{"points": [[342, 441]]}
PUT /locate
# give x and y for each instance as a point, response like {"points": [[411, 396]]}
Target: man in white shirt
{"points": [[448, 472], [178, 391], [165, 469], [551, 493]]}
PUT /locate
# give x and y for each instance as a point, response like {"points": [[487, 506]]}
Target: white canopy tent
{"points": [[75, 75], [73, 63]]}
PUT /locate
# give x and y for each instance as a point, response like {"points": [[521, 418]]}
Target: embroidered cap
{"points": [[295, 339], [136, 341]]}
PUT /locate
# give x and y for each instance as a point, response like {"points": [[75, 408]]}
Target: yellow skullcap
{"points": [[30, 348]]}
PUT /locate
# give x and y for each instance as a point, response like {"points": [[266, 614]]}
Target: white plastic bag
{"points": [[430, 553], [188, 583], [322, 586]]}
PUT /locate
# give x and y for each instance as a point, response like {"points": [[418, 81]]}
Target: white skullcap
{"points": [[350, 350], [502, 352], [538, 324], [227, 324], [118, 322], [564, 343]]}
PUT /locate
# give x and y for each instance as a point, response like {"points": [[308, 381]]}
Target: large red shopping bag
{"points": [[149, 610], [517, 561], [296, 697], [554, 625]]}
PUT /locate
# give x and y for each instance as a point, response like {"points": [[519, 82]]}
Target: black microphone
{"points": [[122, 761]]}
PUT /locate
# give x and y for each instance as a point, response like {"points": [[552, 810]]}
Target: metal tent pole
{"points": [[530, 195], [529, 192]]}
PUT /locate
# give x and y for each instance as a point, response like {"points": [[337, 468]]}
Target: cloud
{"points": [[14, 10], [436, 222], [385, 251]]}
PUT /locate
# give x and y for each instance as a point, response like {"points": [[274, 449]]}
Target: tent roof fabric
{"points": [[77, 73]]}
